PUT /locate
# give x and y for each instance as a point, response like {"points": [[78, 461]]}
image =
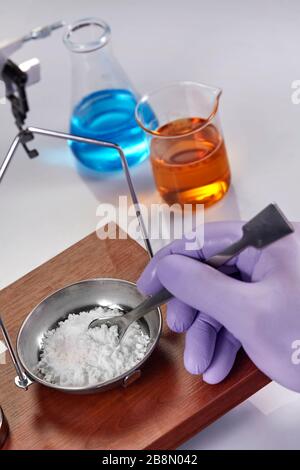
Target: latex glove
{"points": [[261, 309]]}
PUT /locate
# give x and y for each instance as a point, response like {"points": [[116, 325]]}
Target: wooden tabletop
{"points": [[162, 409]]}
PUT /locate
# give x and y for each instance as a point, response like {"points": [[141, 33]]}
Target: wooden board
{"points": [[162, 409]]}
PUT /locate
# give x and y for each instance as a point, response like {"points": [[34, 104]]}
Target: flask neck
{"points": [[87, 35], [94, 66]]}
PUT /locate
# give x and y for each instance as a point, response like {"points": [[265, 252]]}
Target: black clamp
{"points": [[15, 82]]}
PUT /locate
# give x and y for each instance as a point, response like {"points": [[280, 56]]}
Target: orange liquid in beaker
{"points": [[190, 169]]}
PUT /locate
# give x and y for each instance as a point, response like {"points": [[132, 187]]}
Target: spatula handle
{"points": [[215, 261], [226, 255], [149, 304]]}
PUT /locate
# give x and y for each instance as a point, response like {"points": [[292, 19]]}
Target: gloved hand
{"points": [[218, 312]]}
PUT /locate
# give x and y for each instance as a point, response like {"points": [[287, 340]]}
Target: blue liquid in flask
{"points": [[108, 115]]}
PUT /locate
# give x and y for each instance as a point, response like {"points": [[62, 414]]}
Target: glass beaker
{"points": [[187, 150], [103, 99]]}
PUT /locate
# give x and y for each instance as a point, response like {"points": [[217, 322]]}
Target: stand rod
{"points": [[101, 143], [9, 156]]}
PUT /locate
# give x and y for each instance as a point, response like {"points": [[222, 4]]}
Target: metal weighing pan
{"points": [[84, 295]]}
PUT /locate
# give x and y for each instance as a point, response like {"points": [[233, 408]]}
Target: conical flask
{"points": [[103, 99]]}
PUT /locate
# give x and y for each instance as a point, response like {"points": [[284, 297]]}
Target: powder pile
{"points": [[75, 356]]}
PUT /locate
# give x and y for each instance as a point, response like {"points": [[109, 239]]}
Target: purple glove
{"points": [[261, 308]]}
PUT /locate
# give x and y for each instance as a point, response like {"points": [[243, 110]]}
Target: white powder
{"points": [[75, 356]]}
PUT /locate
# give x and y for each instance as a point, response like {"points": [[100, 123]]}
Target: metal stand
{"points": [[24, 137]]}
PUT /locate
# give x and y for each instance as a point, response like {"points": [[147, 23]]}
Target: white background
{"points": [[252, 50]]}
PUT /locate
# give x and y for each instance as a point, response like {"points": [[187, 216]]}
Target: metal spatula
{"points": [[265, 228]]}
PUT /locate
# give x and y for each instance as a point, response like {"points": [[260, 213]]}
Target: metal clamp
{"points": [[17, 77], [15, 82]]}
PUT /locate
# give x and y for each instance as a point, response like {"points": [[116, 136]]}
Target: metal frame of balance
{"points": [[26, 377]]}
